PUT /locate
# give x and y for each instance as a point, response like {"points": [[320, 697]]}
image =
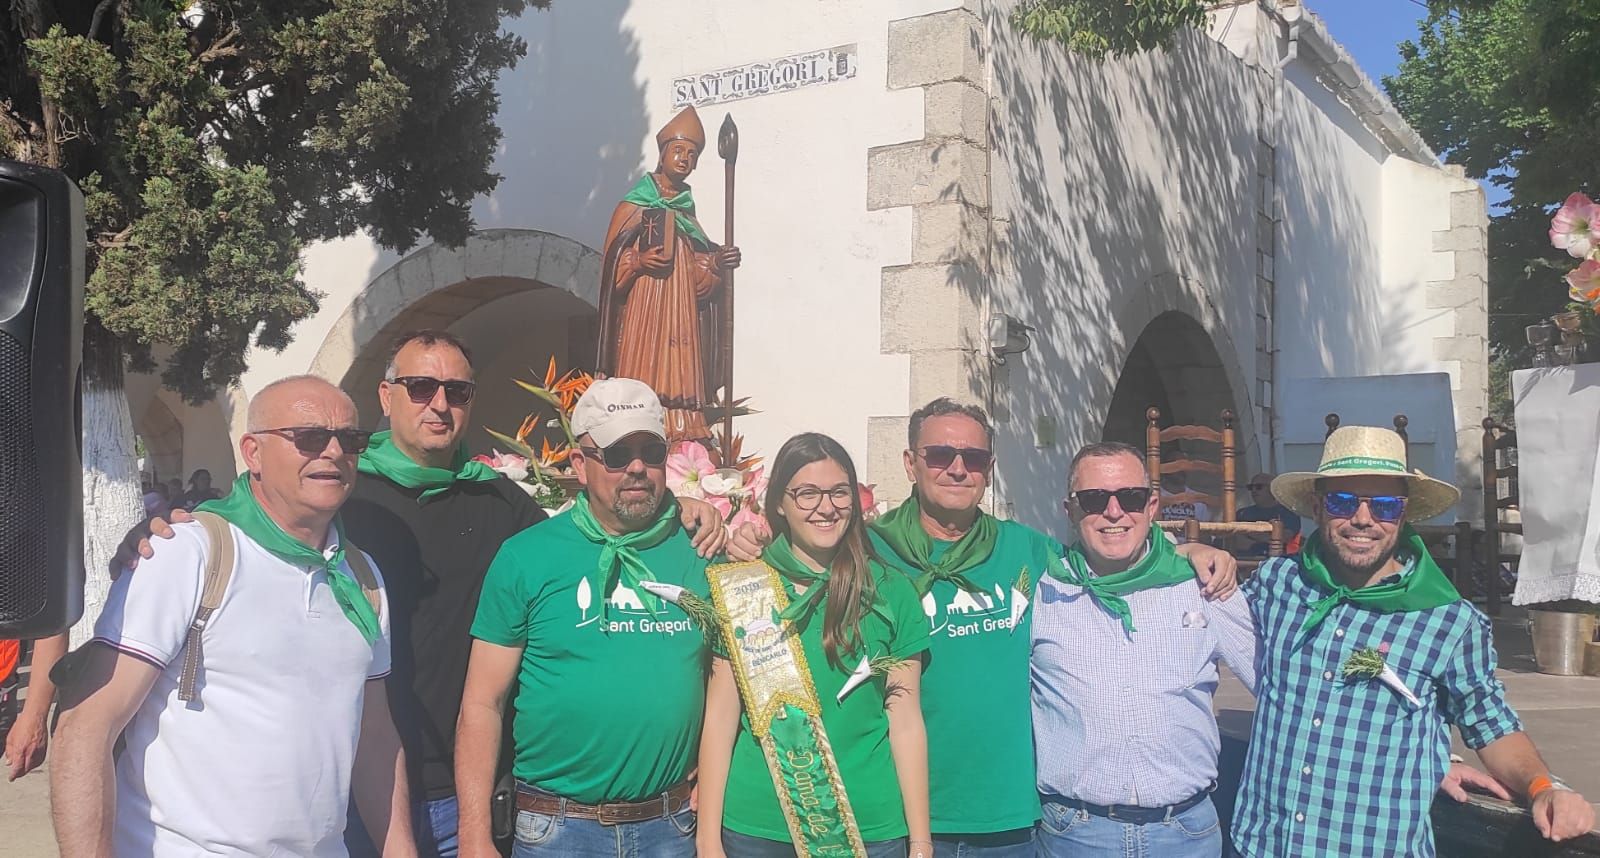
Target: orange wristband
{"points": [[1539, 785]]}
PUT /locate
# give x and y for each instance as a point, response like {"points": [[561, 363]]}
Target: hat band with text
{"points": [[1354, 463]]}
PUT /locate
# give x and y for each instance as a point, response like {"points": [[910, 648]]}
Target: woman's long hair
{"points": [[850, 588]]}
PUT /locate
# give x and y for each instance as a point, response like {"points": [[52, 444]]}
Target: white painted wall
{"points": [[579, 116]]}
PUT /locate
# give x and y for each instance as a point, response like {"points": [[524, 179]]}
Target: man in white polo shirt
{"points": [[289, 715]]}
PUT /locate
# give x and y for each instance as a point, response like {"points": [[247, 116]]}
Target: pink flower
{"points": [[1384, 648], [746, 515], [686, 464], [868, 498], [1584, 282], [513, 466], [1576, 226]]}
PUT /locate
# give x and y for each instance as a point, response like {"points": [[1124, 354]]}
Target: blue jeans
{"points": [[1066, 831], [433, 822], [998, 844], [541, 835], [738, 845]]}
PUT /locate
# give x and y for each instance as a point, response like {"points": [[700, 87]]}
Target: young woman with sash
{"points": [[844, 739]]}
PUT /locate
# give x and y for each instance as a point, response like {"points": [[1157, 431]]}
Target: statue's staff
{"points": [[728, 148]]}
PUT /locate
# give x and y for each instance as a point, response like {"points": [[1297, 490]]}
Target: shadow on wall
{"points": [[573, 122]]}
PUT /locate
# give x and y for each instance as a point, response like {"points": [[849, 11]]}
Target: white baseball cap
{"points": [[614, 408]]}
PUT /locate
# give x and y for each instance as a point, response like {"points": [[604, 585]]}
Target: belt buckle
{"points": [[607, 814]]}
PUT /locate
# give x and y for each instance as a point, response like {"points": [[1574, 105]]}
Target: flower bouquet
{"points": [[547, 475]]}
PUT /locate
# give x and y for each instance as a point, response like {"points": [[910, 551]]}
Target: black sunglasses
{"points": [[1095, 501], [312, 440], [421, 389], [619, 456], [940, 456], [1385, 508]]}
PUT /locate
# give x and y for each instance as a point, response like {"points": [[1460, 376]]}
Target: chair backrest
{"points": [[1156, 437], [1499, 462], [1400, 423]]}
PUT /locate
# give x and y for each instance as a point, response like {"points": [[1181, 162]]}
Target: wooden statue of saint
{"points": [[659, 284]]}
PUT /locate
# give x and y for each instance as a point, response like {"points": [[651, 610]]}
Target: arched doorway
{"points": [[1174, 366], [515, 297]]}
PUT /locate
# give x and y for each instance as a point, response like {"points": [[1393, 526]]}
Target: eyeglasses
{"points": [[619, 456], [312, 440], [808, 498], [1095, 501], [1384, 508], [421, 389], [939, 457]]}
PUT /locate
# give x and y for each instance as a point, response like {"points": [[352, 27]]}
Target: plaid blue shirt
{"points": [[1349, 767]]}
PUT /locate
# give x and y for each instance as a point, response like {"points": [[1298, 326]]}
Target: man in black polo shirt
{"points": [[434, 521]]}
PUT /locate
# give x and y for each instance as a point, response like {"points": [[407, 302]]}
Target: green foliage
{"points": [[1096, 28], [214, 139], [1510, 89]]}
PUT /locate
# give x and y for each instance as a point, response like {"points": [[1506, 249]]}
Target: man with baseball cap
{"points": [[1368, 657], [581, 615]]}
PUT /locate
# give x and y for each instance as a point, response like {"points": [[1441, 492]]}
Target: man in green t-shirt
{"points": [[609, 675], [976, 575]]}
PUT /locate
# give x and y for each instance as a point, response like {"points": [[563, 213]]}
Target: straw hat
{"points": [[1362, 451]]}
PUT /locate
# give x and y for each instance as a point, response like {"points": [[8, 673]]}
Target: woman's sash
{"points": [[784, 714]]}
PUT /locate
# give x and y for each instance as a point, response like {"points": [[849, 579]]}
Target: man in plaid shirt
{"points": [[1367, 656]]}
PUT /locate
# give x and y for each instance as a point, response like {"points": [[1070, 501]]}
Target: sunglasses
{"points": [[312, 440], [421, 389], [1095, 501], [619, 456], [1384, 508], [940, 457]]}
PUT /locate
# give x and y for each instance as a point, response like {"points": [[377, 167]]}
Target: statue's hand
{"points": [[729, 258], [655, 262]]}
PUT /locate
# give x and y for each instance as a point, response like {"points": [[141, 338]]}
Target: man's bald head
{"points": [[296, 400]]}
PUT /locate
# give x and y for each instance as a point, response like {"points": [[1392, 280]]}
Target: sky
{"points": [[1372, 30]]}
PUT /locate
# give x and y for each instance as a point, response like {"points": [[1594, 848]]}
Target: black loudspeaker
{"points": [[41, 347]]}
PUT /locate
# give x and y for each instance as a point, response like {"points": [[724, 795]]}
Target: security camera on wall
{"points": [[41, 344]]}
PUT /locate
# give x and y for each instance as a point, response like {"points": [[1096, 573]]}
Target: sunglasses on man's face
{"points": [[619, 456], [421, 389], [312, 440], [1095, 501], [1384, 508], [940, 456]]}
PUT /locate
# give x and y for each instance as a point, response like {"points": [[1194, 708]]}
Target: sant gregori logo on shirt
{"points": [[625, 612], [964, 612]]}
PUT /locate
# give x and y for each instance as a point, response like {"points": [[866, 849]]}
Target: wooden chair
{"points": [[1499, 443], [1155, 437], [1450, 544]]}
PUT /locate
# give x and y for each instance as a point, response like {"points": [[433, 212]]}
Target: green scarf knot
{"points": [[901, 528], [620, 562], [1161, 566], [780, 556], [647, 194], [382, 458], [1423, 588], [243, 511]]}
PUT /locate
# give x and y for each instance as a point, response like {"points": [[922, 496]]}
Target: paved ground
{"points": [[1562, 714]]}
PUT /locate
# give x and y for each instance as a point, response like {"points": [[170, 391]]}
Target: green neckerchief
{"points": [[1160, 567], [243, 511], [1423, 588], [780, 556], [620, 562], [648, 195], [901, 528], [384, 459]]}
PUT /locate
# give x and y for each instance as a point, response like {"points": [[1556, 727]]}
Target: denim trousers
{"points": [[998, 844], [539, 835], [1067, 832], [738, 845], [434, 824]]}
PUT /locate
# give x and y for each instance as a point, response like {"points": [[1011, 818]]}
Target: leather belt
{"points": [[609, 812], [1131, 814]]}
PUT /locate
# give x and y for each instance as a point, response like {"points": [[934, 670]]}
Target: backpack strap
{"points": [[365, 577], [219, 568]]}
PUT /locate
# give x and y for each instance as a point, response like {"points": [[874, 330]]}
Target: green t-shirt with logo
{"points": [[608, 706], [975, 695], [858, 728]]}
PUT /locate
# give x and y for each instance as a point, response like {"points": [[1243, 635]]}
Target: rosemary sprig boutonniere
{"points": [[1369, 663]]}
